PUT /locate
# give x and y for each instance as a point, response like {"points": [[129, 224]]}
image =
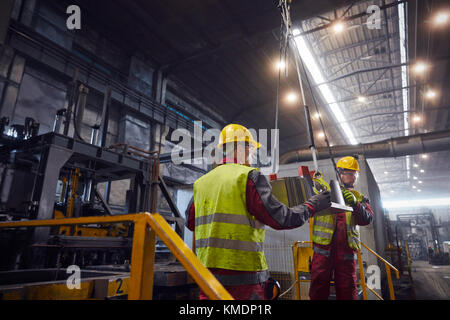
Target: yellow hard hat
{"points": [[348, 163], [236, 133]]}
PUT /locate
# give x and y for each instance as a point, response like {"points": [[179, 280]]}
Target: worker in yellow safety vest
{"points": [[229, 210], [336, 240]]}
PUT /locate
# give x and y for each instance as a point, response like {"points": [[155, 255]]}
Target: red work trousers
{"points": [[337, 262], [338, 267]]}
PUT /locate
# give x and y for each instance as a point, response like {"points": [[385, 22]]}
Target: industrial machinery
{"points": [[50, 160], [55, 176], [421, 232], [413, 237]]}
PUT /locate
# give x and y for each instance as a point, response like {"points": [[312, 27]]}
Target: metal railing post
{"points": [[142, 262], [389, 278], [297, 282], [362, 275]]}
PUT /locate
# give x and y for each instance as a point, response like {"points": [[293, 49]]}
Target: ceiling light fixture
{"points": [[424, 156], [430, 94], [295, 32], [362, 99], [291, 97], [422, 171], [338, 27], [441, 18], [417, 118], [419, 67], [280, 65]]}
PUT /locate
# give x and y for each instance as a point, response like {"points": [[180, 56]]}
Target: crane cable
{"points": [[284, 6], [286, 37], [296, 58]]}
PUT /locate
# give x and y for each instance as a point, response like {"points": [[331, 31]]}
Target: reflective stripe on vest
{"points": [[324, 224], [350, 257], [227, 236], [229, 244], [322, 234], [321, 251], [242, 279], [228, 218]]}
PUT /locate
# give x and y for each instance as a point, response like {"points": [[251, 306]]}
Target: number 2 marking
{"points": [[120, 281]]}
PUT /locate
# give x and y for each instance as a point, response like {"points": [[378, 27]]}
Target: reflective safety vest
{"points": [[227, 236], [323, 227]]}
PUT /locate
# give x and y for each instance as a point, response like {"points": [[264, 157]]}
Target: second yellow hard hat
{"points": [[348, 163]]}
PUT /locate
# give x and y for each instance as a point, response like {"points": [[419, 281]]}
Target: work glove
{"points": [[349, 197], [320, 201]]}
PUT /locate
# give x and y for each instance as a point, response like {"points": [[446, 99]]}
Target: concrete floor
{"points": [[431, 282]]}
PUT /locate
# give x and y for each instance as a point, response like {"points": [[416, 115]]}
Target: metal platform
{"points": [[51, 284], [165, 274]]}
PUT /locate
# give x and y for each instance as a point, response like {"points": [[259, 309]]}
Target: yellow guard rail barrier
{"points": [[301, 256], [146, 227]]}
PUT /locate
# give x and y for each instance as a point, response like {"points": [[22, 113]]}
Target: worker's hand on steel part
{"points": [[320, 201], [349, 197]]}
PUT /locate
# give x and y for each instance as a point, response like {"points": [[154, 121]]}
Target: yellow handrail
{"points": [[362, 282], [382, 259], [147, 227], [388, 268]]}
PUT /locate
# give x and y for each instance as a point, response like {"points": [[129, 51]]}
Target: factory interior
{"points": [[112, 114]]}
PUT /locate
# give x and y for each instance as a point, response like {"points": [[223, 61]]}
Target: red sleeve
{"points": [[363, 213], [190, 216], [256, 207], [311, 208]]}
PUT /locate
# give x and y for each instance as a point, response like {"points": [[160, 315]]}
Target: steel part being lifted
{"points": [[394, 147], [293, 191]]}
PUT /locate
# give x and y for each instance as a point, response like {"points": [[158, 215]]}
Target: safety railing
{"points": [[309, 251], [388, 268], [146, 227]]}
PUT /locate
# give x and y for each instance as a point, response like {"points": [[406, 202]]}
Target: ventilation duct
{"points": [[390, 148]]}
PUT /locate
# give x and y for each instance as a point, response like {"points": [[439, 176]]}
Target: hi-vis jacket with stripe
{"points": [[230, 206], [324, 226]]}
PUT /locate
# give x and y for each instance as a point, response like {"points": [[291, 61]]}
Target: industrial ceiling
{"points": [[224, 53]]}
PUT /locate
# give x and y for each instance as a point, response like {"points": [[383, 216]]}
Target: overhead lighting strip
{"points": [[310, 62], [404, 73]]}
